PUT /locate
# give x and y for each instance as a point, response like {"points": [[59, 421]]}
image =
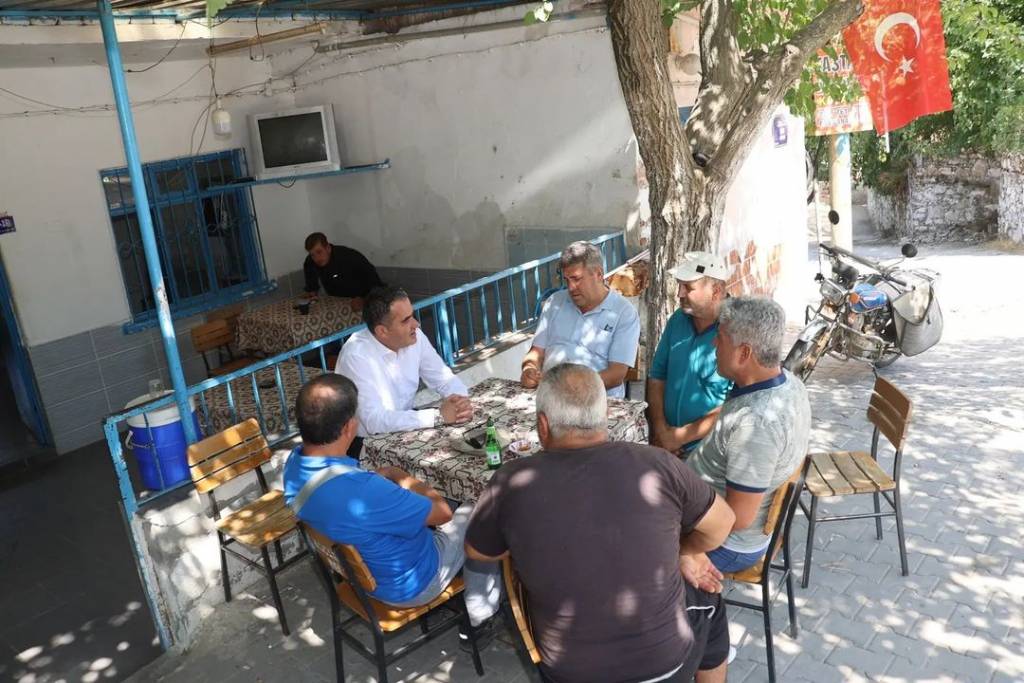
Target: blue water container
{"points": [[870, 298], [158, 442]]}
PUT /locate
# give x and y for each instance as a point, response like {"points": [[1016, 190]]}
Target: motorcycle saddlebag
{"points": [[918, 320]]}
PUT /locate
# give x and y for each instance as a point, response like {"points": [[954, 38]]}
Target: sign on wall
{"points": [[6, 223], [833, 118]]}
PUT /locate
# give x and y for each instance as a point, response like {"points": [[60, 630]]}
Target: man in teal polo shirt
{"points": [[684, 390]]}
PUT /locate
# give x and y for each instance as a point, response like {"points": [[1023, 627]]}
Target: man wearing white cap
{"points": [[684, 390]]}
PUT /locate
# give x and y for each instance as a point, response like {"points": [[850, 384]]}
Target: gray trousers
{"points": [[482, 579]]}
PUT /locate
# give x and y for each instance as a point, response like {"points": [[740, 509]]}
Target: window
{"points": [[206, 232]]}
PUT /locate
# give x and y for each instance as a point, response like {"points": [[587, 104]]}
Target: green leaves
{"points": [[539, 14], [215, 6]]}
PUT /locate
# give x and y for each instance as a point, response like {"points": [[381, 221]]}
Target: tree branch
{"points": [[776, 72]]}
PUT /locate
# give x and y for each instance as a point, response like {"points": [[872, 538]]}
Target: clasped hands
{"points": [[456, 409]]}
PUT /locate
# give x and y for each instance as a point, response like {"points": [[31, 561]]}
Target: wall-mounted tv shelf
{"points": [[249, 182]]}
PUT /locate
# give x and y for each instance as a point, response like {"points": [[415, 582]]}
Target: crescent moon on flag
{"points": [[891, 22]]}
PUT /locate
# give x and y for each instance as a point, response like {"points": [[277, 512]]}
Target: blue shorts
{"points": [[731, 561]]}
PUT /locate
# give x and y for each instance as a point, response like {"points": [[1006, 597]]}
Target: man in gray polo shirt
{"points": [[586, 323], [761, 435]]}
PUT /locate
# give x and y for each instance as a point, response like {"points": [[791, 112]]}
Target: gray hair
{"points": [[573, 398], [581, 252], [757, 321]]}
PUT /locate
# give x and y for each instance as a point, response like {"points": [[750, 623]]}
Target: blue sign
{"points": [[6, 223], [780, 130]]}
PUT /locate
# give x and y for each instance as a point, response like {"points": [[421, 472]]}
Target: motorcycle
{"points": [[874, 317]]}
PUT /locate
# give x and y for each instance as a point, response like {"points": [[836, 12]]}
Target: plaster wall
{"points": [[492, 132]]}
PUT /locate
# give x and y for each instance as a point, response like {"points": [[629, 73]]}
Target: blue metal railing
{"points": [[460, 321]]}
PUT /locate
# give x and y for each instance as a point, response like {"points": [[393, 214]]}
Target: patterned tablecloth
{"points": [[279, 327], [221, 416], [429, 455]]}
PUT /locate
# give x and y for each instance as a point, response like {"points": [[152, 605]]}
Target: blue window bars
{"points": [[206, 230]]}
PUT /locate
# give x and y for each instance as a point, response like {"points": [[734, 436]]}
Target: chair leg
{"points": [[899, 530], [471, 632], [274, 592], [339, 657], [424, 629], [279, 553], [769, 642], [811, 519], [794, 628], [381, 656], [226, 578], [878, 520]]}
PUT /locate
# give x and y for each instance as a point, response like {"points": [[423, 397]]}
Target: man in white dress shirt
{"points": [[387, 360]]}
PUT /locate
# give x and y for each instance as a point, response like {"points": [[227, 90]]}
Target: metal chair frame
{"points": [[769, 591], [379, 655], [892, 498]]}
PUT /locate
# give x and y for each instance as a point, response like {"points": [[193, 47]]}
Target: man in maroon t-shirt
{"points": [[596, 530]]}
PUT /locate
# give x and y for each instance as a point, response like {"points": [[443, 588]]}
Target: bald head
{"points": [[323, 407]]}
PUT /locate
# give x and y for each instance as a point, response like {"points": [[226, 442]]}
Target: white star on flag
{"points": [[906, 65]]}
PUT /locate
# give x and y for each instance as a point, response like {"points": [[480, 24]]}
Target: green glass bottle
{"points": [[492, 448]]}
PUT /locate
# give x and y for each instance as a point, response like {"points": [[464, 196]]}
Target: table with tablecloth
{"points": [[280, 326], [429, 454], [217, 411]]}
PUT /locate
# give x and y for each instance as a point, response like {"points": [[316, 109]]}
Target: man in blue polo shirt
{"points": [[586, 323], [387, 515], [684, 390]]}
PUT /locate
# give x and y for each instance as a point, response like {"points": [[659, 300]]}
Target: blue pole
{"points": [[156, 276]]}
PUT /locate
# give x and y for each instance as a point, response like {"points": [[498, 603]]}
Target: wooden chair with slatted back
{"points": [[516, 593], [776, 526], [218, 336], [221, 458], [852, 473], [349, 582], [228, 313]]}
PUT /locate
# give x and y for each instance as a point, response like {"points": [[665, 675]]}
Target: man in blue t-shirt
{"points": [[387, 515], [684, 390]]}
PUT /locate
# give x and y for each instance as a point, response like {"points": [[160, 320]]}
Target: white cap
{"points": [[698, 264]]}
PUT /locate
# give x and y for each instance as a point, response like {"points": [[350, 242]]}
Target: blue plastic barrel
{"points": [[157, 439]]}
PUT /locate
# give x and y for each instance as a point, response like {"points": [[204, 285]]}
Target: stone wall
{"points": [[1011, 198], [946, 200]]}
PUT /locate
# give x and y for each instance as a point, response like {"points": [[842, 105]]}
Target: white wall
{"points": [[62, 261], [484, 131]]}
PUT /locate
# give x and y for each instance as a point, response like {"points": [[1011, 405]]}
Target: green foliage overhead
{"points": [[215, 6], [985, 50]]}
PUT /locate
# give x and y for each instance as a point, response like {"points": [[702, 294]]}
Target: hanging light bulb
{"points": [[221, 119]]}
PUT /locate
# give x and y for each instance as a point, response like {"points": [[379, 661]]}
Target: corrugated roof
{"points": [[242, 9]]}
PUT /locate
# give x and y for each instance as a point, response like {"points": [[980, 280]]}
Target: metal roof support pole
{"points": [[156, 276]]}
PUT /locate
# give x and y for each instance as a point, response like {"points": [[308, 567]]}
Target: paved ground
{"points": [[959, 616], [71, 604]]}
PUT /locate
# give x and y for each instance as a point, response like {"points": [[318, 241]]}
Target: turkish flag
{"points": [[899, 55]]}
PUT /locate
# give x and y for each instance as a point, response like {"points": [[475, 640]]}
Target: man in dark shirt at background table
{"points": [[596, 530], [342, 271]]}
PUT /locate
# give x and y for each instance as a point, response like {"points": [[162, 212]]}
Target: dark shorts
{"points": [[710, 633]]}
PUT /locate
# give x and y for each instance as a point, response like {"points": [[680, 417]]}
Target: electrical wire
{"points": [[161, 60]]}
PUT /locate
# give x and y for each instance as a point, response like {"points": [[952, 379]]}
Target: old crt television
{"points": [[294, 142]]}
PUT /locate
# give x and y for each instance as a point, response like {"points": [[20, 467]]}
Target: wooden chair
{"points": [[516, 593], [228, 313], [776, 525], [854, 473], [348, 582], [218, 336], [221, 458]]}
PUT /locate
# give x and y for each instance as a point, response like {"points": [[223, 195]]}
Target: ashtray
{"points": [[520, 448]]}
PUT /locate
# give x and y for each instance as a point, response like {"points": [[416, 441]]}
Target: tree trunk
{"points": [[736, 98]]}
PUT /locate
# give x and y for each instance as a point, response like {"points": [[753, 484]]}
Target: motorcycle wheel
{"points": [[803, 357]]}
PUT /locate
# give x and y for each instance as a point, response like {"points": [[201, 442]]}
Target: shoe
{"points": [[484, 633], [732, 655]]}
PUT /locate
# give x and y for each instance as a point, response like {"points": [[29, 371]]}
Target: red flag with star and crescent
{"points": [[899, 55]]}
